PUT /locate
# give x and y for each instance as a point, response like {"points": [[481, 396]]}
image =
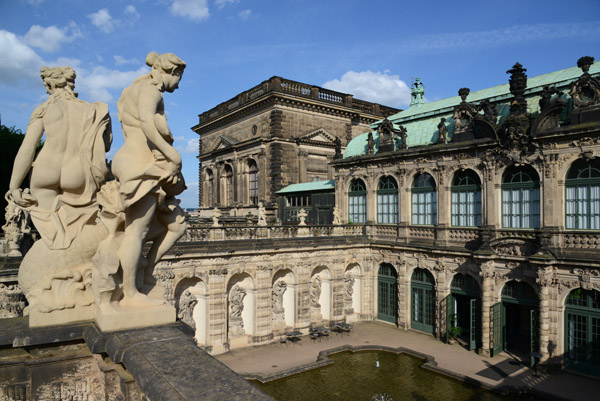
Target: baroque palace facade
{"points": [[277, 133], [475, 217]]}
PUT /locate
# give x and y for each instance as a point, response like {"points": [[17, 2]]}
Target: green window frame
{"points": [[582, 331], [357, 202], [387, 201], [582, 195], [521, 198], [466, 199], [422, 301], [424, 201]]}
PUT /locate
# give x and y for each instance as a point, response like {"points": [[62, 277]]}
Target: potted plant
{"points": [[453, 333]]}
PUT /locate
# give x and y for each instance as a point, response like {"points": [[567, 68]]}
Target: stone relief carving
{"points": [[279, 289], [348, 291], [315, 292], [586, 276], [12, 301], [187, 303], [513, 247]]}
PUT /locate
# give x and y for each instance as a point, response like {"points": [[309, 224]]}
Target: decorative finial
{"points": [[584, 63], [463, 93]]}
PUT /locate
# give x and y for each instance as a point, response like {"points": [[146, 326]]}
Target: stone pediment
{"points": [[224, 142], [318, 137]]}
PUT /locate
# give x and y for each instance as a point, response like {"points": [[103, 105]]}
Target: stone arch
{"points": [[194, 308], [285, 315], [241, 306], [320, 292]]}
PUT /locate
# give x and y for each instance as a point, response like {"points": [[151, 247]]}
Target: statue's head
{"points": [[166, 68], [58, 78]]}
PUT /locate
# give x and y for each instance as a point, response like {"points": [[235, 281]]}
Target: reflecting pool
{"points": [[354, 376]]}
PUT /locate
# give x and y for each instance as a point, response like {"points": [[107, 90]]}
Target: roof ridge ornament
{"points": [[586, 94]]}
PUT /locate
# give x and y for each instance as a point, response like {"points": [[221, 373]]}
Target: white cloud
{"points": [[99, 82], [245, 14], [222, 3], [193, 9], [18, 61], [35, 2], [132, 13], [50, 39], [186, 146], [379, 87], [103, 20], [120, 60]]}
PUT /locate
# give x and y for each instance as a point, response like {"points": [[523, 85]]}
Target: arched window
{"points": [[208, 188], [424, 200], [387, 201], [582, 195], [357, 202], [520, 198], [227, 181], [466, 199], [252, 183]]}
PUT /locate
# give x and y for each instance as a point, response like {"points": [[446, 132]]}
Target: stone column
{"points": [[302, 157], [487, 300], [545, 278]]}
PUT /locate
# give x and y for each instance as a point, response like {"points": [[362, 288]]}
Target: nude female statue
{"points": [[148, 169], [71, 166]]}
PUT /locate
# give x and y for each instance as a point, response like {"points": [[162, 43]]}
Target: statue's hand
{"points": [[23, 199]]}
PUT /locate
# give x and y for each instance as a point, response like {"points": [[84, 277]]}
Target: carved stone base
{"points": [[77, 314], [315, 315], [122, 318]]}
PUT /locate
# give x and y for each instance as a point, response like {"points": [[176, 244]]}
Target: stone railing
{"points": [[415, 232], [581, 240], [278, 84]]}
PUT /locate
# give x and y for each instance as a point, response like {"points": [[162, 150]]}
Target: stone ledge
{"points": [[16, 332], [167, 364]]}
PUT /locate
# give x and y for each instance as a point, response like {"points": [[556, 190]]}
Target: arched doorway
{"points": [[463, 310], [422, 311], [515, 320], [582, 331], [387, 293]]}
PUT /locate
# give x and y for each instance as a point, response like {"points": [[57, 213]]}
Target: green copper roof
{"points": [[308, 187], [421, 122]]}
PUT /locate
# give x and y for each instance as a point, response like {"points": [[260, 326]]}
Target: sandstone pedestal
{"points": [[122, 318], [64, 316]]}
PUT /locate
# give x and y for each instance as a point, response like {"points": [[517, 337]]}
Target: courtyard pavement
{"points": [[276, 358]]}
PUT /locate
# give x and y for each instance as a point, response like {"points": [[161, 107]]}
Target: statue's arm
{"points": [[26, 153], [149, 99]]}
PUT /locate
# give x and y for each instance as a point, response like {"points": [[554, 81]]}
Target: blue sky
{"points": [[371, 49]]}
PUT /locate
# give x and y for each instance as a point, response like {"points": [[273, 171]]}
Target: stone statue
{"points": [[236, 301], [417, 93], [302, 216], [262, 215], [187, 302], [442, 131], [370, 144], [338, 149], [55, 274], [337, 216], [140, 206], [403, 137], [216, 214], [277, 296], [490, 114], [315, 292], [348, 290]]}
